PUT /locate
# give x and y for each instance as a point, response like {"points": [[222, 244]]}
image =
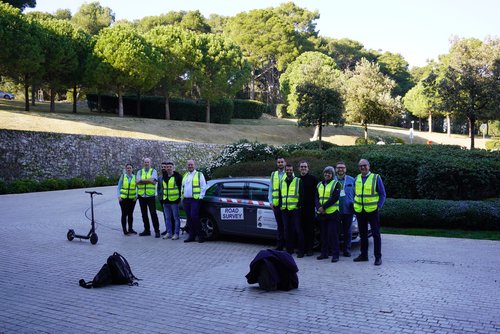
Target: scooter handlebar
{"points": [[93, 193]]}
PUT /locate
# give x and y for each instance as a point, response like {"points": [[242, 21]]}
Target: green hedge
{"points": [[467, 215], [493, 144], [248, 109], [26, 186], [154, 107]]}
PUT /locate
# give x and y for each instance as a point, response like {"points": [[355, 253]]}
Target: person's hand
{"points": [[321, 210], [119, 199]]}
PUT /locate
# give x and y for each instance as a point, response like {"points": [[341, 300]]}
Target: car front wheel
{"points": [[209, 227]]}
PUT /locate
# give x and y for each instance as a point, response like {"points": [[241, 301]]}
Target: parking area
{"points": [[425, 285]]}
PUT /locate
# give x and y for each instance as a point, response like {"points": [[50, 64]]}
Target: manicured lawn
{"points": [[485, 235]]}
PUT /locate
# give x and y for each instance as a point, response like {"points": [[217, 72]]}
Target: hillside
{"points": [[265, 130]]}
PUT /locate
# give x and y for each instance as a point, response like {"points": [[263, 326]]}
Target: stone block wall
{"points": [[40, 155]]}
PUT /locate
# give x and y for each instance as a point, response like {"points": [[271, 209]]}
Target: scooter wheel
{"points": [[70, 235], [93, 238]]}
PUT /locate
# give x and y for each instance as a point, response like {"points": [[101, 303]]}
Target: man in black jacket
{"points": [[308, 212]]}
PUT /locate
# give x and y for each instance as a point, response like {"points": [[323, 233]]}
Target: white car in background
{"points": [[7, 96]]}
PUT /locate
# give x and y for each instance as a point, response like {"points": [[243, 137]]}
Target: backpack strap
{"points": [[83, 284], [128, 265]]}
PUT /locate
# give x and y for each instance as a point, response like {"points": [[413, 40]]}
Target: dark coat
{"points": [[273, 270]]}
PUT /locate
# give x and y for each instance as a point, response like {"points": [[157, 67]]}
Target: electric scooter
{"points": [[91, 235]]}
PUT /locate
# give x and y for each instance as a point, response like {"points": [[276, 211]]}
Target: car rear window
{"points": [[258, 191]]}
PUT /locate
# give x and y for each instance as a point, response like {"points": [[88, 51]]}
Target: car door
{"points": [[230, 210], [260, 219]]}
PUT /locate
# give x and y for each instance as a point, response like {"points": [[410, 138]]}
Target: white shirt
{"points": [[187, 185]]}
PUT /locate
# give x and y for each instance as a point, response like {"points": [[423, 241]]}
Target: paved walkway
{"points": [[425, 285]]}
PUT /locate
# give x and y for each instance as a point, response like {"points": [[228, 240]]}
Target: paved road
{"points": [[425, 285]]}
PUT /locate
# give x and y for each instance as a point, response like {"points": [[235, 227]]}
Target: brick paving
{"points": [[425, 285]]}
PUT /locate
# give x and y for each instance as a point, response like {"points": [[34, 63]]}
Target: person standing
{"points": [[273, 199], [369, 197], [171, 184], [193, 183], [307, 211], [290, 200], [159, 192], [127, 197], [345, 205], [146, 190], [327, 204]]}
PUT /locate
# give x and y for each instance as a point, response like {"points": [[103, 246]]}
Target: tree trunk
{"points": [[75, 98], [420, 124], [448, 124], [99, 102], [138, 108], [52, 100], [366, 133], [316, 133], [26, 97], [252, 84], [430, 121], [472, 128], [120, 102], [320, 133], [208, 112], [33, 95], [167, 107]]}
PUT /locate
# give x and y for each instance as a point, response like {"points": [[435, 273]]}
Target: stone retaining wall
{"points": [[41, 155]]}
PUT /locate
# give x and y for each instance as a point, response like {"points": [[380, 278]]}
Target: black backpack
{"points": [[116, 270]]}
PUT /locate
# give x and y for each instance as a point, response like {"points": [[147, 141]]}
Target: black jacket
{"points": [[280, 266]]}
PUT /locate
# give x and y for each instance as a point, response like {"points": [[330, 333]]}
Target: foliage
{"points": [[374, 140], [248, 109], [369, 97], [242, 151], [311, 145], [21, 4], [395, 67], [468, 215], [417, 102], [345, 52], [26, 186], [493, 145], [92, 17], [282, 111]]}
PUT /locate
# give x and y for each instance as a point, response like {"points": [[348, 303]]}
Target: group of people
{"points": [[171, 188], [298, 201]]}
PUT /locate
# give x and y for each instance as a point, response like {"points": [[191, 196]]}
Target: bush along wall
{"points": [[248, 109]]}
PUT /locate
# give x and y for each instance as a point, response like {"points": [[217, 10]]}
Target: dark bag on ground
{"points": [[273, 270], [116, 270]]}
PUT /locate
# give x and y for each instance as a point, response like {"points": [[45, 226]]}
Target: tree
{"points": [[396, 67], [469, 82], [369, 97], [318, 106], [21, 4], [310, 67], [345, 52], [178, 52], [92, 17], [270, 39], [418, 103], [61, 59], [220, 70], [62, 14], [20, 36], [126, 59]]}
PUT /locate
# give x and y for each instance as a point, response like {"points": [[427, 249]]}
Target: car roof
{"points": [[239, 179]]}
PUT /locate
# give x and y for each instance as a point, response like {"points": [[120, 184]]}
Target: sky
{"points": [[419, 30]]}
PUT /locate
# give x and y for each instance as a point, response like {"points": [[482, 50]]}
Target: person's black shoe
{"points": [[322, 257], [164, 233], [157, 234], [144, 233], [125, 233], [346, 254], [132, 232], [378, 261], [361, 258], [335, 259]]}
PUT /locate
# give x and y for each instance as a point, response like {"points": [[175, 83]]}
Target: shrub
{"points": [[281, 111], [248, 109], [361, 141], [53, 184], [77, 182], [493, 145], [468, 215]]}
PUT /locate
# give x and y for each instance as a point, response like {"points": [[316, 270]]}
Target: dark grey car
{"points": [[239, 206]]}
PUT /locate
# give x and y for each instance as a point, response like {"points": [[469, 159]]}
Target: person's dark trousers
{"points": [[149, 203], [292, 229], [280, 233], [127, 206], [329, 225], [346, 222], [307, 224], [373, 219], [192, 209]]}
